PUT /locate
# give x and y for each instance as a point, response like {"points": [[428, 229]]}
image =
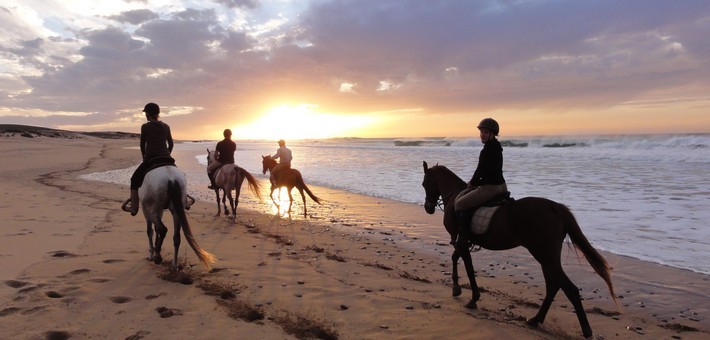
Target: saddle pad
{"points": [[481, 219]]}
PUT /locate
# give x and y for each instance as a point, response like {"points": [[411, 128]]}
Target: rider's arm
{"points": [[170, 140]]}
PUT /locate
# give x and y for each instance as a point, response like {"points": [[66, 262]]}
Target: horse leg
{"points": [[305, 211], [160, 232], [290, 201], [237, 191], [151, 250], [219, 208], [468, 264], [552, 285], [224, 201], [456, 289], [176, 241], [231, 205], [572, 293], [273, 200]]}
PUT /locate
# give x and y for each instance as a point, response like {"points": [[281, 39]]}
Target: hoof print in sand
{"points": [[62, 253], [167, 312], [138, 335], [53, 294], [120, 299], [8, 311], [114, 260], [177, 276], [16, 284]]}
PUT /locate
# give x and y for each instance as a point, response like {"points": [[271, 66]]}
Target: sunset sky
{"points": [[382, 68]]}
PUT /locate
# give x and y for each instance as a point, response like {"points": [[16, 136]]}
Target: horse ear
{"points": [[426, 166]]}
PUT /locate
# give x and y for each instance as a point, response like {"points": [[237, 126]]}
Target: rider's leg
{"points": [[211, 170], [212, 184], [134, 202], [136, 182]]}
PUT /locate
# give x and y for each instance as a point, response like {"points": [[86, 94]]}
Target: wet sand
{"points": [[74, 266]]}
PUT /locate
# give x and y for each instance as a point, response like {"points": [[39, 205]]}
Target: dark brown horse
{"points": [[538, 224], [288, 178]]}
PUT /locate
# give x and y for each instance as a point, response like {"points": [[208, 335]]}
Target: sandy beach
{"points": [[74, 266]]}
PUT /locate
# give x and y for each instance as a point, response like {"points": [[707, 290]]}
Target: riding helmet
{"points": [[490, 124], [151, 109]]}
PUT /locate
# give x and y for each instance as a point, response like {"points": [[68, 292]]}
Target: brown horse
{"points": [[538, 224], [230, 177], [288, 178]]}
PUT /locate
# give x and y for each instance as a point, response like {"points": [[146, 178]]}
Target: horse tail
{"points": [[302, 184], [254, 185], [175, 194], [601, 267]]}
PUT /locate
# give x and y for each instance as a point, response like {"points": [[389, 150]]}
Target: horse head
{"points": [[210, 156], [267, 163], [431, 190]]}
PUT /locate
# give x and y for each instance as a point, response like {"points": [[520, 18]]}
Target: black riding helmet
{"points": [[490, 124], [151, 109]]}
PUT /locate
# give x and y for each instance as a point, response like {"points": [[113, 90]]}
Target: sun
{"points": [[302, 122]]}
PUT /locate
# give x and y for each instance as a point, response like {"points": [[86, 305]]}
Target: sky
{"points": [[292, 69]]}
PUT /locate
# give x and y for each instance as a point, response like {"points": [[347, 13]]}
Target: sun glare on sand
{"points": [[302, 122]]}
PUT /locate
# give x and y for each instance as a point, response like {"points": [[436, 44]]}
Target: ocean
{"points": [[642, 196]]}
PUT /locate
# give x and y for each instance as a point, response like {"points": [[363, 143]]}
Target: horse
{"points": [[538, 224], [288, 178], [230, 177], [163, 188]]}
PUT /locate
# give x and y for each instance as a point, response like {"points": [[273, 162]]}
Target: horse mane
{"points": [[447, 172]]}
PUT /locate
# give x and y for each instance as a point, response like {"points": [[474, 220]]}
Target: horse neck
{"points": [[450, 186]]}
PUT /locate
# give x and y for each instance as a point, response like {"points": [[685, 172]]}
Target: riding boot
{"points": [[134, 202], [212, 184], [463, 219]]}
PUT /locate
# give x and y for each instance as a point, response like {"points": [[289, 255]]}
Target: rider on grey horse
{"points": [[156, 144]]}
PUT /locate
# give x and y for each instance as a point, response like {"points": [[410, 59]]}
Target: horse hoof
{"points": [[532, 322], [471, 305], [157, 259], [456, 291]]}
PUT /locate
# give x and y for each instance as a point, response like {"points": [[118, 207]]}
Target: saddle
{"points": [[482, 216], [160, 161]]}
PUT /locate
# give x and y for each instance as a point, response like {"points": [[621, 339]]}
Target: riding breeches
{"points": [[278, 169], [213, 167], [472, 198]]}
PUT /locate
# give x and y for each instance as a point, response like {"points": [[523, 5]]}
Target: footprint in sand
{"points": [[120, 299], [99, 280]]}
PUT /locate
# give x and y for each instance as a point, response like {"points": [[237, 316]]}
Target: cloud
{"points": [[237, 58]]}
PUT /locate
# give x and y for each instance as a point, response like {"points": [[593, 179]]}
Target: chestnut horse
{"points": [[163, 188], [538, 224], [230, 177], [288, 178]]}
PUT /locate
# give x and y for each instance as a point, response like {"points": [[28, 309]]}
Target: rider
{"points": [[156, 144], [486, 183], [225, 155], [284, 155]]}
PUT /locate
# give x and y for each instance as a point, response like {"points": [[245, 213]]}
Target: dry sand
{"points": [[74, 266]]}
